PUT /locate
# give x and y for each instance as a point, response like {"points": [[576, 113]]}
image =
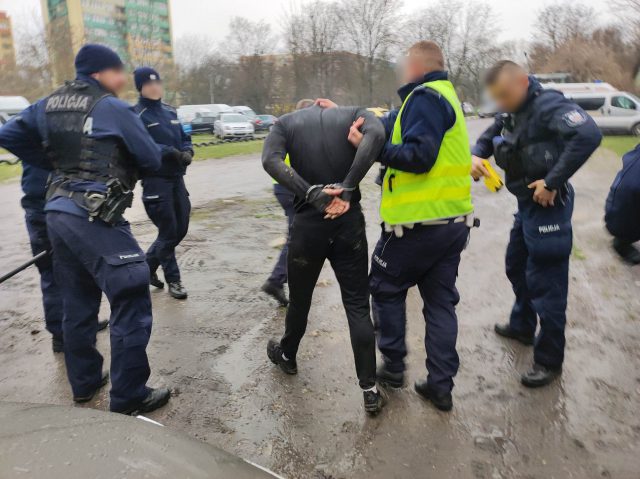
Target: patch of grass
{"points": [[8, 172], [227, 149], [620, 144]]}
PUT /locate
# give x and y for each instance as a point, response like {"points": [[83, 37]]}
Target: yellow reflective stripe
{"points": [[443, 193]]}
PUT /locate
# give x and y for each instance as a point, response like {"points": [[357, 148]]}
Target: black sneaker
{"points": [[154, 400], [539, 376], [176, 290], [274, 351], [505, 331], [627, 251], [373, 401], [387, 378], [276, 292], [155, 281], [102, 324], [57, 344], [442, 401], [89, 397]]}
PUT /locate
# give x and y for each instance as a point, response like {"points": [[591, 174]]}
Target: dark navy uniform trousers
{"points": [[537, 263], [51, 296], [166, 201], [427, 257], [286, 199], [91, 258]]}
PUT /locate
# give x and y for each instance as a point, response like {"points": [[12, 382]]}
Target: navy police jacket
{"points": [[622, 210], [34, 186], [553, 137], [111, 118], [164, 127]]}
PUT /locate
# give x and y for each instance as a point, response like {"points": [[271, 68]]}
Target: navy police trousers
{"points": [[426, 256], [90, 258], [166, 201], [537, 264], [286, 199], [51, 297]]}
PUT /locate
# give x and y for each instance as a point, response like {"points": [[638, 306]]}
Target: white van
{"points": [[613, 111], [12, 105], [187, 113]]}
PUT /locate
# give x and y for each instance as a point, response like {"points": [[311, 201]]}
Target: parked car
{"points": [[233, 125], [12, 105], [245, 110], [266, 122], [187, 113], [613, 111], [204, 124]]}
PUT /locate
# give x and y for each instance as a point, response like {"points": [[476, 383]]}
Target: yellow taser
{"points": [[493, 182]]}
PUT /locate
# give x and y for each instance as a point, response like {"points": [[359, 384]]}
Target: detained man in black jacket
{"points": [[540, 140], [324, 175]]}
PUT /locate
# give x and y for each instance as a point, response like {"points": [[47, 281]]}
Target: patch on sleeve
{"points": [[574, 118]]}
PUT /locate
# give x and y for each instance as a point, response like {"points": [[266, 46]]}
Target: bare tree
{"points": [[370, 28], [313, 35], [247, 38], [560, 22]]}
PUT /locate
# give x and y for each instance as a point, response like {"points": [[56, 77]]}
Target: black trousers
{"points": [[343, 242]]}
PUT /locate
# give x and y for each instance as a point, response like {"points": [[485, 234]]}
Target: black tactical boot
{"points": [[176, 290], [276, 292], [505, 331], [627, 251], [442, 401], [274, 351], [374, 401], [154, 400], [155, 281], [102, 324], [387, 378], [89, 397], [539, 376], [57, 344]]}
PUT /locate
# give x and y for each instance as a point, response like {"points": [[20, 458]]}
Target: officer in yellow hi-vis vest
{"points": [[274, 286], [426, 211]]}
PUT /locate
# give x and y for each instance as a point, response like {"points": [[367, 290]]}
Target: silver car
{"points": [[233, 125]]}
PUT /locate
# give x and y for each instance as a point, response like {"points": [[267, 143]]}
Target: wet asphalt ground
{"points": [[210, 349]]}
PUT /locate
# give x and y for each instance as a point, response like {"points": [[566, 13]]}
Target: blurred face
{"points": [[510, 90], [152, 90], [413, 69], [113, 79]]}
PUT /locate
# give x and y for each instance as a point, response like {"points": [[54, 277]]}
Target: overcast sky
{"points": [[211, 17]]}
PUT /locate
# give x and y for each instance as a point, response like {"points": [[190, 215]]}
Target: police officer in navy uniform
{"points": [[621, 211], [165, 196], [540, 140], [96, 145], [34, 187]]}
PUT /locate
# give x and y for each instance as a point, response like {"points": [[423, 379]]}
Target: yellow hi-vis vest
{"points": [[444, 191], [287, 161]]}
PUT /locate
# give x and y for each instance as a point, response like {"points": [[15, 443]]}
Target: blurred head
{"points": [[148, 83], [102, 64], [422, 58], [305, 103], [508, 84]]}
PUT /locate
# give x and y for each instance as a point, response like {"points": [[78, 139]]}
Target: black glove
{"points": [[185, 157], [172, 155], [318, 198]]}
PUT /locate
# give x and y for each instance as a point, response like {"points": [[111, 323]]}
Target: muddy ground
{"points": [[211, 349]]}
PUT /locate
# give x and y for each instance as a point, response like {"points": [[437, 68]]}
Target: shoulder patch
{"points": [[574, 118]]}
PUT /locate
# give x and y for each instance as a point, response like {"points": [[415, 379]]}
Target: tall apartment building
{"points": [[7, 50], [139, 30]]}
